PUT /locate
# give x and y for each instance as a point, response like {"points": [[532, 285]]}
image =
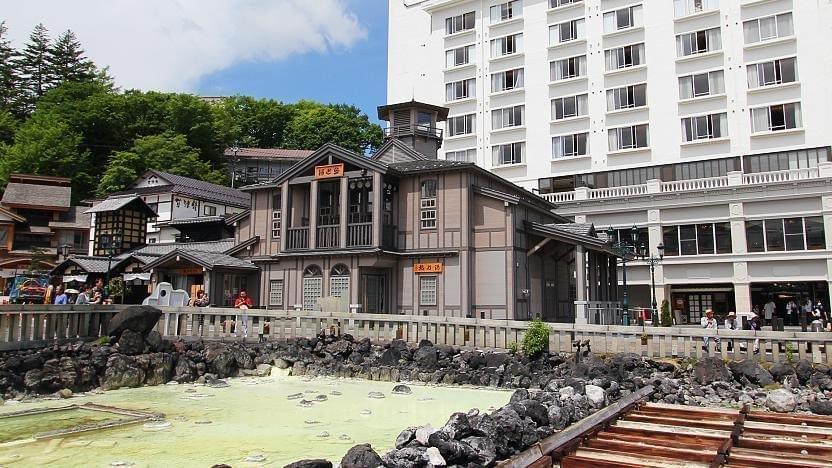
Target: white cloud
{"points": [[168, 45]]}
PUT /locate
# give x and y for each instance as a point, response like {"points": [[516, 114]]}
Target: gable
{"points": [[394, 151], [150, 179]]}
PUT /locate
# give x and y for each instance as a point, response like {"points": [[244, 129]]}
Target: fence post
{"points": [[581, 312]]}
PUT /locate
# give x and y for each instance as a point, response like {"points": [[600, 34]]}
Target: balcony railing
{"points": [[297, 238], [360, 235], [403, 130], [329, 236], [733, 179]]}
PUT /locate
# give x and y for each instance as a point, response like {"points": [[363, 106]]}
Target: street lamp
{"points": [[623, 249], [113, 243], [652, 261], [64, 249], [234, 160]]}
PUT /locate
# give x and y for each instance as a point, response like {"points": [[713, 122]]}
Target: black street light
{"points": [[113, 243], [64, 250], [652, 260], [623, 249]]}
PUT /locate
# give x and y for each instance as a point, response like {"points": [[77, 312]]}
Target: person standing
{"points": [[756, 326], [60, 296], [731, 324], [709, 322], [791, 312], [824, 315], [244, 302], [83, 296], [770, 309]]}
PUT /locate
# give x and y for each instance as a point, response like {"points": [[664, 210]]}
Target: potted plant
{"points": [[667, 319], [643, 338]]}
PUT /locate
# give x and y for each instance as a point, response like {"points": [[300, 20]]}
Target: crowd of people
{"points": [[85, 295]]}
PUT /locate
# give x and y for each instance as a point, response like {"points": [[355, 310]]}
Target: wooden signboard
{"points": [[192, 271], [329, 171], [427, 268]]}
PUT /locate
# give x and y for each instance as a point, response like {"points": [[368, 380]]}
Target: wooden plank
{"points": [[650, 450], [643, 460], [681, 441], [523, 459]]}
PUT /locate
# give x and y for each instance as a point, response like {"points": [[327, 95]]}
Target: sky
{"points": [[332, 51]]}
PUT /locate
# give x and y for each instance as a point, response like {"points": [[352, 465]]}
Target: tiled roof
{"points": [[214, 259], [428, 165], [94, 264], [113, 203], [37, 195], [75, 218], [162, 249], [195, 220], [583, 229], [205, 190], [269, 153]]}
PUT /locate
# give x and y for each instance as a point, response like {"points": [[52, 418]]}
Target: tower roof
{"points": [[384, 111]]}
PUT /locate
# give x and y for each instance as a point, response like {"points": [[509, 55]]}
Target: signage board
{"points": [[427, 268], [329, 171]]}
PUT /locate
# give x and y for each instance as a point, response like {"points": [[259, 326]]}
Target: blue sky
{"points": [[355, 75]]}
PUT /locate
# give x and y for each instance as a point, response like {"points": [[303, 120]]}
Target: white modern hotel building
{"points": [[705, 123]]}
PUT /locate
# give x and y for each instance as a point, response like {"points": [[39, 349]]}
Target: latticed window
{"points": [[428, 204], [427, 290], [276, 215], [312, 287], [339, 281], [276, 292]]}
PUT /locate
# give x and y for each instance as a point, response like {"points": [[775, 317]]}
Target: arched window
{"points": [[339, 281], [312, 286]]}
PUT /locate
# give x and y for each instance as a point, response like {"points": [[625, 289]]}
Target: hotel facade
{"points": [[701, 122]]}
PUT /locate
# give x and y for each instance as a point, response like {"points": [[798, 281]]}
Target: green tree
{"points": [[167, 152], [67, 61], [9, 79], [34, 66], [251, 122], [315, 124], [8, 127]]}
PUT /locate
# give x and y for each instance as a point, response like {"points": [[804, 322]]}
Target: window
{"points": [[461, 89], [459, 56], [767, 28], [777, 235], [701, 84], [566, 146], [631, 137], [772, 73], [785, 160], [705, 127], [506, 45], [427, 290], [507, 80], [698, 42], [461, 125], [506, 11], [511, 153], [624, 57], [689, 7], [776, 118], [428, 204], [277, 206], [564, 69], [567, 31], [570, 106], [312, 287], [463, 22], [622, 19], [697, 239], [627, 97], [276, 292], [508, 117], [469, 155], [560, 3], [339, 281]]}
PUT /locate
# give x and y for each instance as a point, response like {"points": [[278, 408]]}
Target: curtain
{"points": [[638, 54], [753, 76], [716, 82], [582, 101], [785, 25], [496, 47], [759, 119], [554, 34], [612, 136], [498, 82], [609, 22], [518, 43], [612, 59], [518, 78], [723, 125], [497, 119], [685, 88], [611, 100], [557, 147], [687, 129], [768, 28], [637, 19], [714, 39], [751, 31], [793, 119]]}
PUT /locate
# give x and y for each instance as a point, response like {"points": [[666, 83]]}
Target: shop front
{"points": [[688, 303]]}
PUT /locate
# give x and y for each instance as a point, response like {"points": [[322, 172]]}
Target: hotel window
{"points": [[459, 23], [427, 290], [427, 199], [698, 42], [631, 137], [508, 117], [627, 97], [506, 11], [511, 153], [624, 57], [560, 3], [506, 45], [461, 89], [772, 73], [567, 31], [507, 80], [276, 292], [622, 19], [564, 69], [276, 214], [312, 287], [210, 210], [567, 146], [767, 28], [705, 127], [461, 125], [776, 118], [701, 84], [459, 56], [689, 7], [339, 281], [786, 160], [777, 235], [570, 106], [697, 239], [469, 155]]}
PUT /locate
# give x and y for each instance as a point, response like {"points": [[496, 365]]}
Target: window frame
{"points": [[428, 290], [468, 125], [467, 86], [515, 115], [276, 291], [796, 117], [451, 26], [514, 158], [428, 210], [577, 145], [631, 12], [577, 63], [759, 29]]}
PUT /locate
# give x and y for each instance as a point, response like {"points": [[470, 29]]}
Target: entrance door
{"points": [[374, 293], [697, 305]]}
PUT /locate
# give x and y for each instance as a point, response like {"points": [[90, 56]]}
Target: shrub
{"points": [[536, 339], [512, 347], [666, 319]]}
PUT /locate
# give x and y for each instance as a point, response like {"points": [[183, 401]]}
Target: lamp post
{"points": [[234, 160], [652, 260], [64, 251], [623, 249], [113, 243]]}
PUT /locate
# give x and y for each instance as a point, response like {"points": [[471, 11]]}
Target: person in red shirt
{"points": [[243, 301]]}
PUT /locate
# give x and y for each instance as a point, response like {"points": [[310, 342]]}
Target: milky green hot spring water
{"points": [[250, 421]]}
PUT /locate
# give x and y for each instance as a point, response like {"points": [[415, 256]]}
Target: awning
{"points": [[79, 278], [136, 276]]}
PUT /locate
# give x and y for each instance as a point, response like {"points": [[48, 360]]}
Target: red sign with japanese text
{"points": [[427, 268], [329, 171]]}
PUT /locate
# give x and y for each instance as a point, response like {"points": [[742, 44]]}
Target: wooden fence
{"points": [[21, 324]]}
